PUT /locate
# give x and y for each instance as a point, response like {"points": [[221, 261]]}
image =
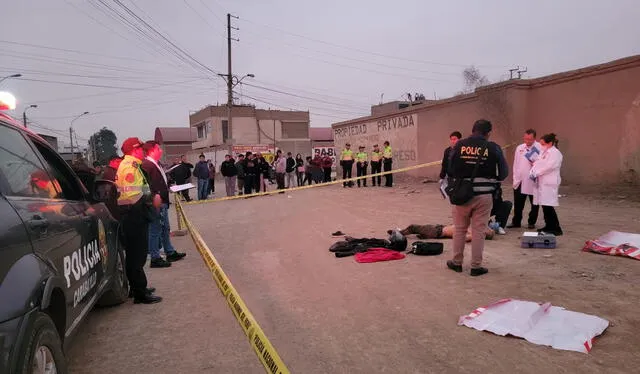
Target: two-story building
{"points": [[251, 129]]}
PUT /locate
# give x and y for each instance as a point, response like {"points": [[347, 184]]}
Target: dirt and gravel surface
{"points": [[329, 315]]}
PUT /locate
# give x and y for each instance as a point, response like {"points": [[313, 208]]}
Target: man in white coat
{"points": [[546, 174], [523, 187]]}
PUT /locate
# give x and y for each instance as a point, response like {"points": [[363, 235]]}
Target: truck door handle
{"points": [[38, 222]]}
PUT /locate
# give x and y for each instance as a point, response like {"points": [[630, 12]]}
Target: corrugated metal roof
{"points": [[321, 133], [175, 134]]}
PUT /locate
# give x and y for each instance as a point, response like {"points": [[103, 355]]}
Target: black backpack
{"points": [[426, 248]]}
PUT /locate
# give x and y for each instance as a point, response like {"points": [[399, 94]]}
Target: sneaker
{"points": [[175, 256], [475, 272], [159, 263], [501, 231], [457, 268]]}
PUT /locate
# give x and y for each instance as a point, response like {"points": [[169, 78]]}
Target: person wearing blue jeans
{"points": [[201, 171], [159, 236], [159, 226]]}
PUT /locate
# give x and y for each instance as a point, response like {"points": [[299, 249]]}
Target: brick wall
{"points": [[595, 112]]}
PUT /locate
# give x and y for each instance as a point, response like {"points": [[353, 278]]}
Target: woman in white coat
{"points": [[546, 173]]}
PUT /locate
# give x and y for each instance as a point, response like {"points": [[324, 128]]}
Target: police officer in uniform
{"points": [[361, 165], [492, 168], [376, 165], [346, 161], [387, 161], [135, 203]]}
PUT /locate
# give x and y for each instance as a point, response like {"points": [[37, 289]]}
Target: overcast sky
{"points": [[333, 58]]}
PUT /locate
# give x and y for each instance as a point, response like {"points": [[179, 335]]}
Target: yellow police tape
{"points": [[267, 354], [337, 181]]}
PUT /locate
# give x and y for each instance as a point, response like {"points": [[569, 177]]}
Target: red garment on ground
{"points": [[379, 254]]}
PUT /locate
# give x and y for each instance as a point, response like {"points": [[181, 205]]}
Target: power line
{"points": [[105, 26], [394, 67], [364, 51], [79, 52], [176, 49], [293, 95], [108, 93]]}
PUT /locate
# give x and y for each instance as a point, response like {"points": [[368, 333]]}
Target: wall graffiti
{"points": [[400, 131]]}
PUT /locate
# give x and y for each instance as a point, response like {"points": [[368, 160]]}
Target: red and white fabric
{"points": [[615, 243], [541, 324]]}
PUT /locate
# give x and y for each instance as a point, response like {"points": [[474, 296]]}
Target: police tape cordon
{"points": [[265, 351], [337, 181], [267, 354]]}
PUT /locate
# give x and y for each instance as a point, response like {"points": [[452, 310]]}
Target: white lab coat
{"points": [[521, 169], [547, 170]]}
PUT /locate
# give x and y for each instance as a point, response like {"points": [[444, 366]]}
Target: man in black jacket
{"points": [[251, 172], [159, 226], [482, 162], [229, 172], [201, 172], [453, 139], [181, 175]]}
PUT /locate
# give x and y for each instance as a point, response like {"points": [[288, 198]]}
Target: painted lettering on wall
{"points": [[343, 132], [399, 122], [405, 155]]}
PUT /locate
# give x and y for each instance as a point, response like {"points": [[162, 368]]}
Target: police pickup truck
{"points": [[59, 252]]}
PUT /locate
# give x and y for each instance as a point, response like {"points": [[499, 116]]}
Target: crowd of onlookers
{"points": [[250, 173]]}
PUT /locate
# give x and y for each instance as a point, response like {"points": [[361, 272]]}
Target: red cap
{"points": [[130, 144]]}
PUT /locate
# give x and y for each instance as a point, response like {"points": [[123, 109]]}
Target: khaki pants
{"points": [[475, 213]]}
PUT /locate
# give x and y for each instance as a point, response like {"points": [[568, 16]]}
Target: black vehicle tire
{"points": [[42, 346], [119, 291]]}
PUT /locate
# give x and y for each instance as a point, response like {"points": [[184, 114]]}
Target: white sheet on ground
{"points": [[539, 324], [615, 243]]}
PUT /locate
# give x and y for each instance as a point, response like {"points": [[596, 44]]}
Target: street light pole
{"points": [[71, 132], [24, 114], [10, 76]]}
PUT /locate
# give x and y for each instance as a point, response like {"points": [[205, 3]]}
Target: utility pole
{"points": [[229, 77], [71, 141]]}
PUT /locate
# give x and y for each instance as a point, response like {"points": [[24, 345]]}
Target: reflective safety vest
{"points": [[387, 152], [347, 155], [361, 157], [375, 156], [131, 182]]}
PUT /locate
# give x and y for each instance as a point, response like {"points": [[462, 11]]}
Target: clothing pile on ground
{"points": [[374, 250]]}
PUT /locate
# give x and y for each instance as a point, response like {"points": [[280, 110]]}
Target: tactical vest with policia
{"points": [[473, 169], [131, 182]]}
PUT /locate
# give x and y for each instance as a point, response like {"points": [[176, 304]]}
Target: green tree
{"points": [[102, 145]]}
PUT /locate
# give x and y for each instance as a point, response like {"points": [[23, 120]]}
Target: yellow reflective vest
{"points": [[387, 153], [347, 155], [375, 156], [361, 157], [131, 182]]}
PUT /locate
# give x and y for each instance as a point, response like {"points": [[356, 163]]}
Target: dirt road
{"points": [[330, 315]]}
